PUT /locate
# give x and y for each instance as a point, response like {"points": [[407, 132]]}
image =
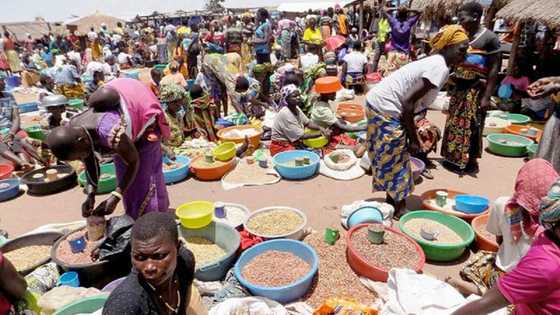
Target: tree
{"points": [[215, 5]]}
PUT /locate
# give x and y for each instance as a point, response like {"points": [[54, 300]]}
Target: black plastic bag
{"points": [[116, 244]]}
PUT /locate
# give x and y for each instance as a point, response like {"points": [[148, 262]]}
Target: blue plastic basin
{"points": [[178, 174], [364, 215], [471, 203], [282, 159], [28, 107], [287, 293], [11, 191]]}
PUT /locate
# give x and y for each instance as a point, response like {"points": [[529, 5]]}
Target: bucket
{"points": [[69, 279]]}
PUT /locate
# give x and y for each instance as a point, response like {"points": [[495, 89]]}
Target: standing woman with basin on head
{"points": [[124, 118], [390, 112]]}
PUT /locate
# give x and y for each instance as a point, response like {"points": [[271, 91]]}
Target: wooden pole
{"points": [[514, 46], [361, 18]]}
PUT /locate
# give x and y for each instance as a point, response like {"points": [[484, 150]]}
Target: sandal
{"points": [[427, 174]]}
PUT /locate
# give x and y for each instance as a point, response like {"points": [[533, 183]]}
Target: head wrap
{"points": [[550, 206], [173, 92], [448, 35], [285, 92], [532, 184]]}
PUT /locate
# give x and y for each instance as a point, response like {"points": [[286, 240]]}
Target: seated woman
{"points": [[178, 116], [289, 125], [533, 285], [174, 76], [323, 115], [162, 275], [245, 97], [514, 221]]}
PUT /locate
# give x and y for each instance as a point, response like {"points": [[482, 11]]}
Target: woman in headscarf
{"points": [[515, 222], [11, 53], [124, 118], [390, 112], [288, 130], [533, 286], [178, 115]]}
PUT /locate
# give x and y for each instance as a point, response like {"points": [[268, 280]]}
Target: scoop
{"points": [[429, 235]]}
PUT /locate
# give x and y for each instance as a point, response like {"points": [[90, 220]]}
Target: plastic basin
{"points": [[418, 166], [222, 235], [224, 152], [297, 234], [254, 140], [113, 285], [83, 306], [178, 174], [508, 144], [471, 203], [289, 292], [28, 107], [351, 112], [106, 184], [76, 103], [518, 119], [281, 160], [495, 125], [6, 170], [440, 252], [195, 214], [532, 150], [11, 190], [133, 74], [44, 238], [211, 173], [315, 143], [327, 85], [483, 242], [161, 66], [364, 268], [431, 194], [519, 130], [35, 132], [364, 215]]}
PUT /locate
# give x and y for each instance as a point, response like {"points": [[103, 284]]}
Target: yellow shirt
{"points": [[313, 36]]}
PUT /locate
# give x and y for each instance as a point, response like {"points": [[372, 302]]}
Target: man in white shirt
{"points": [[92, 35], [308, 60]]}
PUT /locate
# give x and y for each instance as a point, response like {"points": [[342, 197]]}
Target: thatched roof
{"points": [[36, 29], [440, 8], [95, 20], [545, 11]]}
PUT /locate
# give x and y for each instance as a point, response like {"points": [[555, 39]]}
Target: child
{"points": [[514, 88], [95, 83], [55, 106]]}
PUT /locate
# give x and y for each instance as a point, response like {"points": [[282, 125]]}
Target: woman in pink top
{"points": [[533, 286]]}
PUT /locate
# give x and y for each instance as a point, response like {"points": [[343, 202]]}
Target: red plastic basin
{"points": [[6, 170]]}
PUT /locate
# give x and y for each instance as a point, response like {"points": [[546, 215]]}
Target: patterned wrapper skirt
{"points": [[388, 153]]}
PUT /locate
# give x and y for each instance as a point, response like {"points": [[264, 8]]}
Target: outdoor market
{"points": [[328, 157]]}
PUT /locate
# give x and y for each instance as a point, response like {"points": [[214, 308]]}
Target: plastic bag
{"points": [[43, 278], [344, 307], [116, 245], [248, 306]]}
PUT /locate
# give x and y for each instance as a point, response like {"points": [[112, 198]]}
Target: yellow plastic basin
{"points": [[224, 152], [315, 143], [195, 214]]}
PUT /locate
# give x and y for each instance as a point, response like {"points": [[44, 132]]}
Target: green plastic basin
{"points": [[532, 150], [440, 252], [35, 132], [508, 144], [76, 103], [83, 306], [161, 66], [518, 119], [105, 184]]}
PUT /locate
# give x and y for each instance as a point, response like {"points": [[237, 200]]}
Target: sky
{"points": [[61, 10]]}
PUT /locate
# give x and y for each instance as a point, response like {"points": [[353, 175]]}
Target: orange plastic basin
{"points": [[351, 112], [483, 242], [254, 140], [366, 269], [6, 170], [516, 130], [215, 172], [327, 85], [431, 194]]}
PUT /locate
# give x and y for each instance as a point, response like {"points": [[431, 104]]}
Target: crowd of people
{"points": [[260, 68]]}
